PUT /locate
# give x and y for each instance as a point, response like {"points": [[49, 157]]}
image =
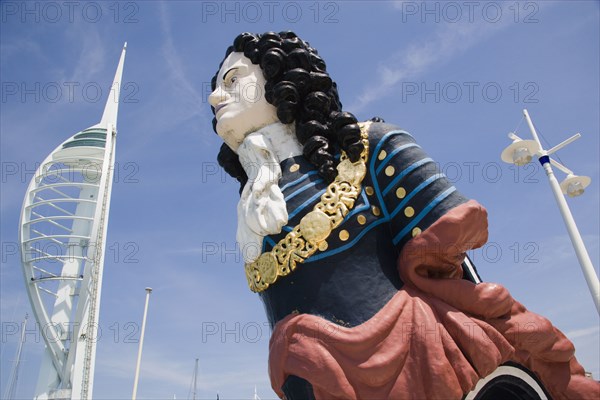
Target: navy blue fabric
{"points": [[353, 279]]}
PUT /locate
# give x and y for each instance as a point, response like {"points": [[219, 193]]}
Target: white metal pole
{"points": [[582, 255], [532, 128], [139, 357]]}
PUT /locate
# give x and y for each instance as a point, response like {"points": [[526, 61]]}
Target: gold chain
{"points": [[316, 226]]}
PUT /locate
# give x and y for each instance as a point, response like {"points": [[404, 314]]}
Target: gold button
{"points": [[376, 211], [389, 170], [400, 193], [416, 231], [382, 155], [323, 245], [344, 235], [361, 219], [294, 168], [409, 211], [369, 190]]}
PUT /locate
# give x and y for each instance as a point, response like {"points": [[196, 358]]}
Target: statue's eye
{"points": [[230, 79]]}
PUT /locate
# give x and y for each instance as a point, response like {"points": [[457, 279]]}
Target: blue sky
{"points": [[455, 74]]}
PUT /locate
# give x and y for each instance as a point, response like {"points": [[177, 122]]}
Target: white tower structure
{"points": [[62, 238]]}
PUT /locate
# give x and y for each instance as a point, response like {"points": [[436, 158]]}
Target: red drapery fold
{"points": [[435, 338]]}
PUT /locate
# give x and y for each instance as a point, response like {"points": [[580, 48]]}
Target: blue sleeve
{"points": [[407, 184]]}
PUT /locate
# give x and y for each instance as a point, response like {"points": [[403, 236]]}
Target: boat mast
{"points": [[256, 394], [11, 389], [195, 380]]}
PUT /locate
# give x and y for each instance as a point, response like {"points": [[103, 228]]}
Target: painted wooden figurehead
{"points": [[356, 244]]}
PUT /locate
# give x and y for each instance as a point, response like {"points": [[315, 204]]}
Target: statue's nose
{"points": [[217, 96]]}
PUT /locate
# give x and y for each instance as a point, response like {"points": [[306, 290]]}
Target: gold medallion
{"points": [[267, 267], [315, 226]]}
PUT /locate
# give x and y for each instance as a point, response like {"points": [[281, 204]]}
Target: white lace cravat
{"points": [[261, 209]]}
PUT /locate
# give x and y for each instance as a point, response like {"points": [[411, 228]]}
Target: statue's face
{"points": [[239, 100]]}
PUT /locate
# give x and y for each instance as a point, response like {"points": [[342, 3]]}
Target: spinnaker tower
{"points": [[62, 236]]}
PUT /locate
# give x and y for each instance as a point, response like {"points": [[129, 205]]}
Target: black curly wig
{"points": [[298, 85]]}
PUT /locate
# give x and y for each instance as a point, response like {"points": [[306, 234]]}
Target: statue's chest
{"points": [[303, 188]]}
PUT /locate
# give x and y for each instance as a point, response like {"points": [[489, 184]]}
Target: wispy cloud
{"points": [[448, 41], [19, 46], [156, 367], [92, 55], [177, 75], [161, 375], [592, 330], [172, 99], [400, 3], [552, 254]]}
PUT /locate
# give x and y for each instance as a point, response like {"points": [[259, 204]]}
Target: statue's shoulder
{"points": [[381, 132]]}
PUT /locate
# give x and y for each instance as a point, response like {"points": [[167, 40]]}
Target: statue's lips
{"points": [[219, 107]]}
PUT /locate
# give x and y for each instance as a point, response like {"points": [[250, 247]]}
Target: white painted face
{"points": [[239, 100]]}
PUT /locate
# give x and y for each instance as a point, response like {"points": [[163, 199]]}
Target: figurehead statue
{"points": [[356, 244]]}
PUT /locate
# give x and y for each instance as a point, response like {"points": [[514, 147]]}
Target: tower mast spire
{"points": [[111, 109]]}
